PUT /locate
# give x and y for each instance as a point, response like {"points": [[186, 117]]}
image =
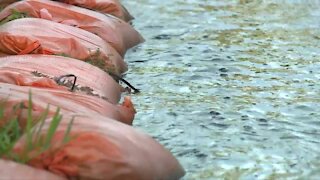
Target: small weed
{"points": [[14, 15], [11, 132], [96, 60]]}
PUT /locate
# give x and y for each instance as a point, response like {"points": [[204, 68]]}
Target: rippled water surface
{"points": [[231, 88]]}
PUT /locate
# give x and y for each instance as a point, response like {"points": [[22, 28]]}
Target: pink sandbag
{"points": [[101, 148], [90, 79], [113, 30], [18, 79], [112, 7], [10, 170], [58, 38], [68, 102]]}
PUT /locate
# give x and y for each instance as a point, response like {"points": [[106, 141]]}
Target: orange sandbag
{"points": [[90, 79], [101, 148], [68, 102], [112, 7], [113, 30], [61, 39], [18, 79], [13, 171]]}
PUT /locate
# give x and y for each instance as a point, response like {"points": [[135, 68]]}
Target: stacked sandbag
{"points": [[13, 171], [113, 30], [62, 62], [112, 7], [58, 39], [101, 148], [90, 80], [67, 101]]}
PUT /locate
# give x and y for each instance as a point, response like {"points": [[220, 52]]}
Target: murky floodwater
{"points": [[231, 87]]}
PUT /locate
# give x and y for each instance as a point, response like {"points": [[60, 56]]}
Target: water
{"points": [[231, 88]]}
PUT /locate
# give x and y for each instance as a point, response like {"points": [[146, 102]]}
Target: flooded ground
{"points": [[231, 87]]}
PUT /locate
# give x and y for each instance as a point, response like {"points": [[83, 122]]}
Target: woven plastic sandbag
{"points": [[10, 170], [112, 7], [90, 79], [101, 148], [58, 39], [13, 96], [113, 30]]}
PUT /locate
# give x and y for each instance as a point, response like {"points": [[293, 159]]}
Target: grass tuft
{"points": [[11, 132]]}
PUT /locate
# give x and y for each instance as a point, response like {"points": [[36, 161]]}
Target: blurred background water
{"points": [[230, 87]]}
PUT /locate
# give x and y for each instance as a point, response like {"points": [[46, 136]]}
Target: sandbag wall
{"points": [[69, 54]]}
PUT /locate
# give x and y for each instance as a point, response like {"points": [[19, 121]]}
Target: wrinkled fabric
{"points": [[13, 171], [27, 70], [68, 102], [101, 148], [18, 79], [58, 39], [113, 30], [112, 7]]}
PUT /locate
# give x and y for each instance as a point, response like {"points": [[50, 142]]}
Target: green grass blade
{"points": [[14, 15], [29, 124], [52, 129], [67, 137], [8, 136], [2, 109], [44, 115], [16, 130], [11, 132]]}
